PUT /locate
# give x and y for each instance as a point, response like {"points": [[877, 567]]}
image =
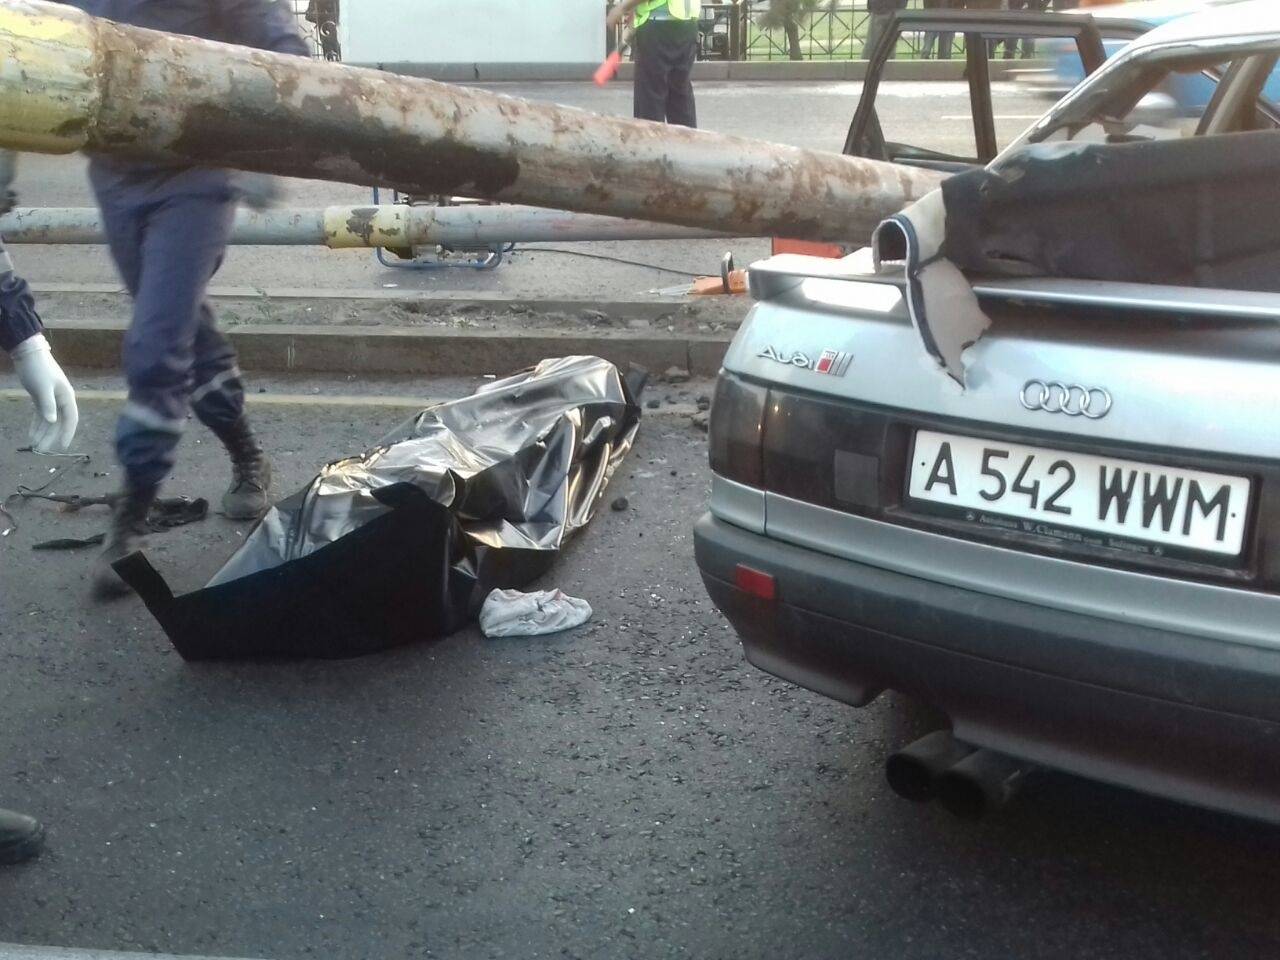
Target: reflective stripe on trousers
{"points": [[167, 235]]}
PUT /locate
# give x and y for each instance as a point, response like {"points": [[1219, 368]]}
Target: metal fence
{"points": [[832, 31], [838, 32], [318, 20], [728, 31]]}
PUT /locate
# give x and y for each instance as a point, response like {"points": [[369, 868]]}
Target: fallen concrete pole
{"points": [[395, 226], [72, 82]]}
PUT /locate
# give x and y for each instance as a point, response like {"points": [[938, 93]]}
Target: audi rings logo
{"points": [[1069, 398]]}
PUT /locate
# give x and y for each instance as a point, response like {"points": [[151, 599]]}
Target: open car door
{"points": [[1071, 43], [985, 35]]}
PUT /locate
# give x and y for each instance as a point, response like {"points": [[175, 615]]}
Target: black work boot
{"points": [[21, 837], [125, 536], [246, 498]]}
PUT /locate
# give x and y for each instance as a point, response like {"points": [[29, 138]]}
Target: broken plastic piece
{"points": [[70, 543]]}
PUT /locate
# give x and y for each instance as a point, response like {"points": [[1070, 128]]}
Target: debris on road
{"points": [[73, 461], [596, 318], [70, 543], [676, 375], [403, 541], [165, 514], [510, 613]]}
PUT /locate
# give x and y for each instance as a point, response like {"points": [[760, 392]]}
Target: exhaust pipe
{"points": [[981, 783], [914, 771]]}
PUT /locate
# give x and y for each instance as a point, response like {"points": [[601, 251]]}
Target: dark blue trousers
{"points": [[665, 51], [168, 231]]}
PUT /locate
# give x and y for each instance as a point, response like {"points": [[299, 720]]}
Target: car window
{"points": [[1167, 97], [1271, 92], [1168, 103], [970, 119], [943, 132], [1029, 76], [1014, 108]]}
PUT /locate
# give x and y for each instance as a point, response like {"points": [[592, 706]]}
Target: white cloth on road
{"points": [[510, 613]]}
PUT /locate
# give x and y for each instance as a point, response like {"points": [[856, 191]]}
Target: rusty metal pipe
{"points": [[340, 228], [83, 225], [71, 82]]}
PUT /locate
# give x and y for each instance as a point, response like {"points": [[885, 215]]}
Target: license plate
{"points": [[1051, 493]]}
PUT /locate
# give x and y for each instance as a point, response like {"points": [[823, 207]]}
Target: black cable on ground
{"points": [[605, 256]]}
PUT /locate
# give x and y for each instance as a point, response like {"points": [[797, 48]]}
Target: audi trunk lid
{"points": [[1191, 370]]}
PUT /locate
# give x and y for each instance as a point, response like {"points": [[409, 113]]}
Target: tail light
{"points": [[755, 582], [737, 431]]}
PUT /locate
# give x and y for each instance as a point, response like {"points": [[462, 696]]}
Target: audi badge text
{"points": [[832, 363]]}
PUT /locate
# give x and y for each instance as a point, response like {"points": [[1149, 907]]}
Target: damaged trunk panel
{"points": [[404, 541]]}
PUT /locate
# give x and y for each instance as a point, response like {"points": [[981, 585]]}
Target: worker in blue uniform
{"points": [[52, 429], [167, 227]]}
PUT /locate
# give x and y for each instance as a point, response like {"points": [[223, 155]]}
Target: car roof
{"points": [[1240, 18], [1152, 12]]}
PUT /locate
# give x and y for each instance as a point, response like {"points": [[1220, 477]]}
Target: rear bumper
{"points": [[1180, 716]]}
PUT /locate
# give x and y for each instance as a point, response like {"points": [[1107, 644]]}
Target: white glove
{"points": [[54, 425]]}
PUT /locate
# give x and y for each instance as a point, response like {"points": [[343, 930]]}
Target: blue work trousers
{"points": [[168, 232]]}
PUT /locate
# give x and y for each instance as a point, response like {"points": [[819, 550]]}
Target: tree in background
{"points": [[789, 14]]}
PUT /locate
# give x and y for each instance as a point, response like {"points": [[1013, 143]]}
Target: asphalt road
{"points": [[807, 115], [629, 789]]}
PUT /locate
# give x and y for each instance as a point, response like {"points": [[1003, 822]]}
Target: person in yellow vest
{"points": [[666, 46]]}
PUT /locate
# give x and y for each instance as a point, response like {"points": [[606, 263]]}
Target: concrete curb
{"points": [[375, 401], [294, 348], [331, 401], [705, 70], [622, 309], [13, 951]]}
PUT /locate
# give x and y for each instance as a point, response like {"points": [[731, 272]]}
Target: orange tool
{"points": [[609, 69]]}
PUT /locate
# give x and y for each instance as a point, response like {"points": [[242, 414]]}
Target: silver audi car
{"points": [[1066, 537]]}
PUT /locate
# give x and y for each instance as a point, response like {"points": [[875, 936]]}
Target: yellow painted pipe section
{"points": [[372, 226], [48, 78]]}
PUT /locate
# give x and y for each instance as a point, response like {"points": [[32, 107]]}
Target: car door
{"points": [[986, 36]]}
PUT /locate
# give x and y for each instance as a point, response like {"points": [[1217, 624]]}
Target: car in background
{"points": [[1075, 558], [1189, 93]]}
